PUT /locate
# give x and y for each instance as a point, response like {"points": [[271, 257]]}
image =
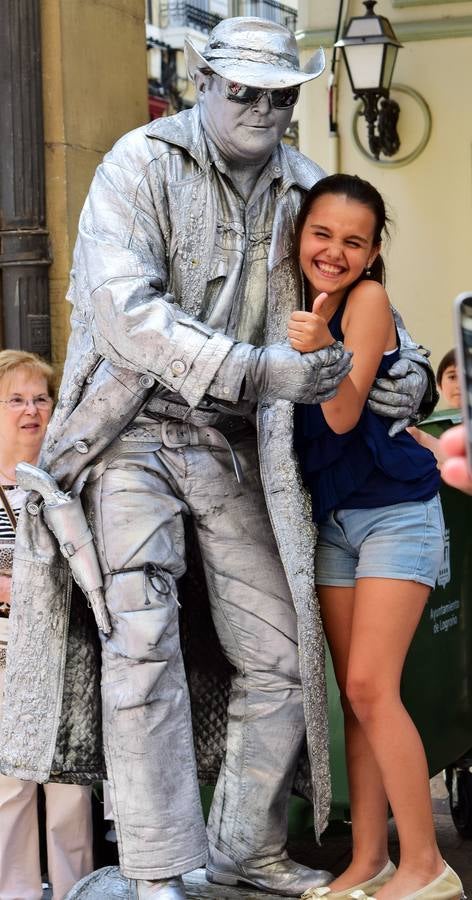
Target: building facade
{"points": [[428, 183]]}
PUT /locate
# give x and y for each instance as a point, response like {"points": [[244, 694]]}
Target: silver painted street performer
{"points": [[182, 286]]}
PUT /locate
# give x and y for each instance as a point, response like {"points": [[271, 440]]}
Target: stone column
{"points": [[94, 90]]}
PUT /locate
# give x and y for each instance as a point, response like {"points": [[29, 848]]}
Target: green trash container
{"points": [[437, 681]]}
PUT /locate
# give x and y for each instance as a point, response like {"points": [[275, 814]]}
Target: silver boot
{"points": [[167, 889], [285, 877]]}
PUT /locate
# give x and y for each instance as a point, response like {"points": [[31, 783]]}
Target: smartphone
{"points": [[463, 328]]}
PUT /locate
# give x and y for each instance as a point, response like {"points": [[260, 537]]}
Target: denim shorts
{"points": [[403, 541]]}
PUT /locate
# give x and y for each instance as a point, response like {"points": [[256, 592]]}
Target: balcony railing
{"points": [[176, 13], [196, 15], [269, 9]]}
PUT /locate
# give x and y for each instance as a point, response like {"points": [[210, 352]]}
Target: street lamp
{"points": [[370, 47]]}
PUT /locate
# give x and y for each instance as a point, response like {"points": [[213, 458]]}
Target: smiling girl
{"points": [[375, 500]]}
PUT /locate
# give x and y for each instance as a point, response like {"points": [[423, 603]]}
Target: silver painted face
{"points": [[243, 132]]}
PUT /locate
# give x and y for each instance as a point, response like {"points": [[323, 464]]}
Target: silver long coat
{"points": [[127, 329]]}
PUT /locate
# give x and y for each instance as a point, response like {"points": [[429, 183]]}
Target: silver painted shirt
{"points": [[235, 300]]}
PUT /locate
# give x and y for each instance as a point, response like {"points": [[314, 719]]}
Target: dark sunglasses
{"points": [[281, 98]]}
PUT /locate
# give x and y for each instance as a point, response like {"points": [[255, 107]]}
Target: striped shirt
{"points": [[15, 497]]}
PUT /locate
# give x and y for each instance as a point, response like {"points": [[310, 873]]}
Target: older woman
{"points": [[26, 399]]}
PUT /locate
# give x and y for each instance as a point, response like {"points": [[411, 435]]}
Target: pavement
{"points": [[335, 851]]}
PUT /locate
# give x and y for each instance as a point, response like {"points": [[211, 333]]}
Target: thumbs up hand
{"points": [[308, 331], [318, 304]]}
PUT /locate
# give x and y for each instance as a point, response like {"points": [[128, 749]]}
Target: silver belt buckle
{"points": [[175, 434]]}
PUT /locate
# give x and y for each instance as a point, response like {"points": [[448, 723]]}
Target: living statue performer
{"points": [[182, 286]]}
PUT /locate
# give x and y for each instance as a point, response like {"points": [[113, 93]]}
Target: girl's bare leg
{"points": [[385, 616], [368, 801]]}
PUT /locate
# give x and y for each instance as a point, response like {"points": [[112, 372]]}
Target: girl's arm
{"points": [[369, 331]]}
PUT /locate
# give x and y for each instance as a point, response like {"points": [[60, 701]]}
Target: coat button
{"points": [[178, 367], [81, 446], [32, 508], [146, 381]]}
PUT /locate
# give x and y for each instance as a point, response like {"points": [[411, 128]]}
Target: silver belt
{"points": [[173, 433]]}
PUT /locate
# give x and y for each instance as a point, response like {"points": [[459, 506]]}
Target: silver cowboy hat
{"points": [[255, 52]]}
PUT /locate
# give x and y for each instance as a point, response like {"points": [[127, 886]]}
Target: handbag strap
{"points": [[8, 509]]}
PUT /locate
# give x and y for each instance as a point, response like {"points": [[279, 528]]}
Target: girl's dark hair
{"points": [[448, 360], [354, 188]]}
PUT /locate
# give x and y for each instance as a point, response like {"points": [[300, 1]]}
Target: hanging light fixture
{"points": [[370, 46]]}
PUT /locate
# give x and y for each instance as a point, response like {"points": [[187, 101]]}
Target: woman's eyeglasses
{"points": [[19, 403], [280, 98]]}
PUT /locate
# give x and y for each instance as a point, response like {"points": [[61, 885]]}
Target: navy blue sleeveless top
{"points": [[365, 467]]}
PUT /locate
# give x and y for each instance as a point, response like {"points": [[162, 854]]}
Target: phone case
{"points": [[463, 329]]}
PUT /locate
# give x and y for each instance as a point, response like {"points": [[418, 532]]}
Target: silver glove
{"points": [[279, 373], [399, 396]]}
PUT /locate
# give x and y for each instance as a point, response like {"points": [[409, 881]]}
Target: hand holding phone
{"points": [[454, 468]]}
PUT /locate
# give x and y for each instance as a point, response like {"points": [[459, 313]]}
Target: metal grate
{"points": [[200, 18], [269, 9], [189, 15], [197, 15]]}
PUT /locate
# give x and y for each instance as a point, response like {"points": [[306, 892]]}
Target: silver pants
{"points": [[136, 506]]}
